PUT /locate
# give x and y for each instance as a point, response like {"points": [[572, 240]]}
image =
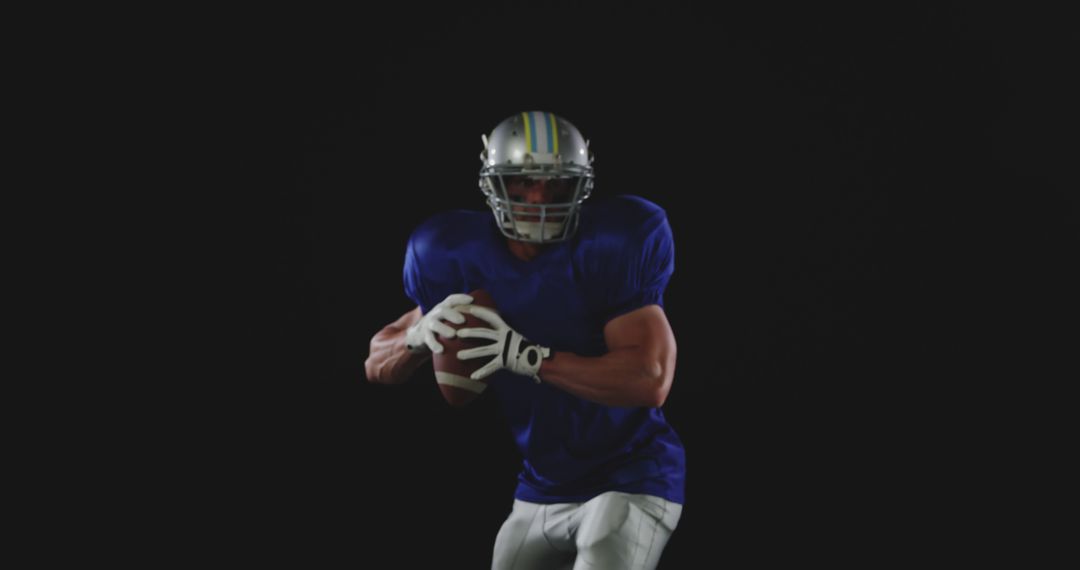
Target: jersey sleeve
{"points": [[429, 274], [637, 267]]}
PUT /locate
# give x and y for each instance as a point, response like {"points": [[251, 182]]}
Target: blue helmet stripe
{"points": [[535, 124]]}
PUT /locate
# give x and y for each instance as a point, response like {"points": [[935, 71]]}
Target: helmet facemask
{"points": [[518, 217]]}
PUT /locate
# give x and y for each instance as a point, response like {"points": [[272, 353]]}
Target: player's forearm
{"points": [[389, 361], [625, 377]]}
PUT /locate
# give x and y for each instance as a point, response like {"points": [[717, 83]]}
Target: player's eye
{"points": [[561, 189]]}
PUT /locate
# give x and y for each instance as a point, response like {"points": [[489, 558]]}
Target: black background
{"points": [[873, 240]]}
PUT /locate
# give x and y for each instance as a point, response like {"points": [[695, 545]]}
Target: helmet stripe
{"points": [[530, 137], [539, 131], [537, 126], [553, 134]]}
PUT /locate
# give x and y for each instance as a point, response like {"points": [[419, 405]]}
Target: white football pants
{"points": [[612, 530]]}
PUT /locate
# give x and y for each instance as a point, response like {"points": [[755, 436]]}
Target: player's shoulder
{"points": [[629, 206], [625, 212], [446, 230]]}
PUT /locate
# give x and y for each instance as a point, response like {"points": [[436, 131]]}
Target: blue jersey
{"points": [[619, 260]]}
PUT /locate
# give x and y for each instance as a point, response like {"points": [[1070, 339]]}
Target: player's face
{"points": [[526, 190]]}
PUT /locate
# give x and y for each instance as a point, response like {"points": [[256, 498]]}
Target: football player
{"points": [[579, 353]]}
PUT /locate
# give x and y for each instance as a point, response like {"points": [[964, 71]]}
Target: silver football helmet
{"points": [[536, 145]]}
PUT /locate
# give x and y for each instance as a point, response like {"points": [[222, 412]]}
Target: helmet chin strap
{"points": [[532, 230]]}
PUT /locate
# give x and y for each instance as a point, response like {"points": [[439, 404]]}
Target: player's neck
{"points": [[524, 251]]}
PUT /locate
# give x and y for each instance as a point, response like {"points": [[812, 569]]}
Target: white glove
{"points": [[511, 350], [421, 336]]}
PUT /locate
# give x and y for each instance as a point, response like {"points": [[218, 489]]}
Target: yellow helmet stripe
{"points": [[530, 135], [553, 134]]}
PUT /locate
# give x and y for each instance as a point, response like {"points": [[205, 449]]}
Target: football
{"points": [[451, 374]]}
